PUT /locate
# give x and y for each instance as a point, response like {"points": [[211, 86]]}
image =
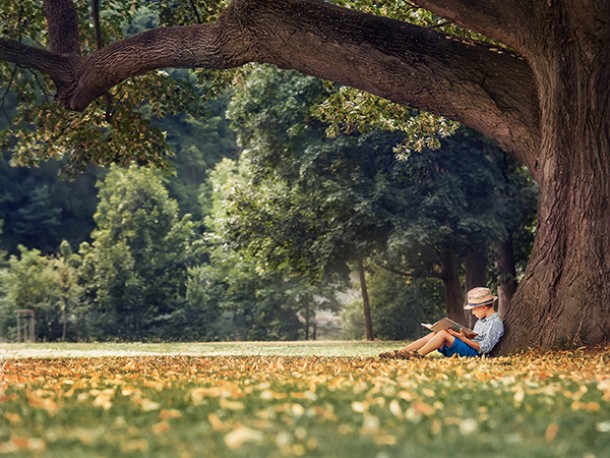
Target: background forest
{"points": [[260, 229], [261, 205]]}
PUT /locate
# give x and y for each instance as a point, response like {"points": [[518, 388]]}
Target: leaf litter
{"points": [[546, 404]]}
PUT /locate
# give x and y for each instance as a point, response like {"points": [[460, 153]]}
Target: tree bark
{"points": [[476, 274], [476, 268], [563, 298], [307, 322], [454, 299], [507, 275], [368, 322]]}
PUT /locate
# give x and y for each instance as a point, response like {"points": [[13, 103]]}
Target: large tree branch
{"points": [[57, 66], [489, 90], [503, 20], [206, 45], [486, 89]]}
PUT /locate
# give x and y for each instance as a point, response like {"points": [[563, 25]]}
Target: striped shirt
{"points": [[489, 331]]}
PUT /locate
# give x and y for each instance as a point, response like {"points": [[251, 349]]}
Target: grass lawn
{"points": [[331, 399]]}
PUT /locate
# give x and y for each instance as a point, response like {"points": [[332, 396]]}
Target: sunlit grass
{"points": [[297, 348]]}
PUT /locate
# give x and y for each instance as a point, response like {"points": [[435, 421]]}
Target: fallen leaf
{"points": [[241, 435], [551, 432]]}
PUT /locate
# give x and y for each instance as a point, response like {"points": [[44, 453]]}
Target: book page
{"points": [[447, 323]]}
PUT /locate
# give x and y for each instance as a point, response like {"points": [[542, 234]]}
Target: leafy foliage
{"points": [[116, 129], [301, 202]]}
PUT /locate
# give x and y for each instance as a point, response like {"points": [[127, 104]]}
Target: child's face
{"points": [[479, 312]]}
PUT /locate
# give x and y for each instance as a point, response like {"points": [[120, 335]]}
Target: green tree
{"points": [[68, 291], [256, 302], [139, 257], [48, 285], [41, 210], [310, 205], [197, 145], [398, 306]]}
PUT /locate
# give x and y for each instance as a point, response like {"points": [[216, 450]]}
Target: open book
{"points": [[447, 323]]}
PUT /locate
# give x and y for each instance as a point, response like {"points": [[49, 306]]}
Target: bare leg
{"points": [[437, 341], [419, 343], [409, 349], [423, 346]]}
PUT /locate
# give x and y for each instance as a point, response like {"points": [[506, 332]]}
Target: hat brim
{"points": [[474, 306]]}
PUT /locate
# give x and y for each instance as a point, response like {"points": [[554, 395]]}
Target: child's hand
{"points": [[459, 334]]}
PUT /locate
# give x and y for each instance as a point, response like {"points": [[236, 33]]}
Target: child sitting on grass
{"points": [[489, 329]]}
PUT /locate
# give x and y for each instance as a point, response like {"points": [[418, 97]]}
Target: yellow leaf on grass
{"points": [[586, 406], [43, 403], [551, 432], [168, 414], [227, 404], [13, 418], [395, 408], [161, 427], [241, 435], [423, 408], [148, 405], [22, 444], [103, 401], [137, 445], [154, 384], [268, 395], [359, 407], [406, 395], [468, 426], [216, 422], [519, 397]]}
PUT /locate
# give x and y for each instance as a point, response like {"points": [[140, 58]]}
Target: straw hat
{"points": [[478, 297]]}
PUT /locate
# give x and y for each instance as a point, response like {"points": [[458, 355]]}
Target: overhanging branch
{"points": [[486, 89], [502, 20], [58, 67]]}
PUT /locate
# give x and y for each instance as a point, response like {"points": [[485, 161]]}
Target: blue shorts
{"points": [[458, 348]]}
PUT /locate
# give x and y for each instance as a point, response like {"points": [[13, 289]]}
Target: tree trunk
{"points": [[454, 299], [307, 322], [64, 320], [507, 275], [476, 274], [564, 297], [476, 268], [368, 322]]}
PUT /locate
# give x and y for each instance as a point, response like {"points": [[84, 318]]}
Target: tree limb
{"points": [[58, 67], [503, 20], [489, 90]]}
